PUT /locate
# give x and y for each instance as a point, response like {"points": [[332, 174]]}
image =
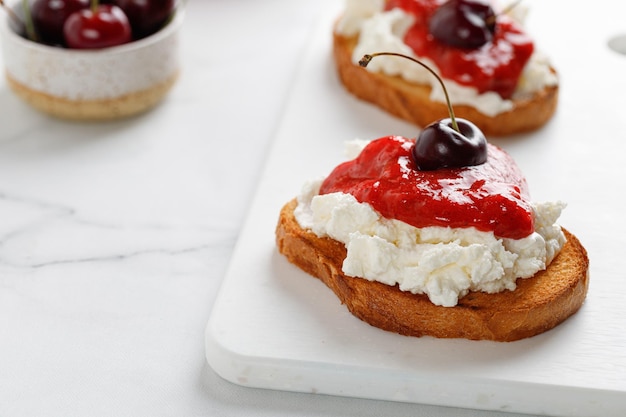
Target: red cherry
{"points": [[447, 143], [463, 23], [439, 145], [105, 26], [146, 16], [49, 16]]}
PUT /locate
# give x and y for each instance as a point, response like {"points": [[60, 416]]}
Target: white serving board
{"points": [[275, 327]]}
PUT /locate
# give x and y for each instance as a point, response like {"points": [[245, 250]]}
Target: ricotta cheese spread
{"points": [[381, 30], [443, 263]]}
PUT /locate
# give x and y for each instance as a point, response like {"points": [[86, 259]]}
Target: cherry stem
{"points": [[10, 12], [492, 19], [367, 58], [94, 5], [28, 22]]}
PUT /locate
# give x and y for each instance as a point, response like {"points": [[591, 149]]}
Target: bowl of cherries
{"points": [[91, 59]]}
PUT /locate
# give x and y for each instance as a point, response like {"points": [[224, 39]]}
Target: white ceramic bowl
{"points": [[102, 84]]}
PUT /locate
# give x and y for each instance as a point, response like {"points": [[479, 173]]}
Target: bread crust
{"points": [[538, 304], [411, 102]]}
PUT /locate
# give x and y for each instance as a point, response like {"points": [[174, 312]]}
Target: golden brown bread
{"points": [[412, 103], [538, 304]]}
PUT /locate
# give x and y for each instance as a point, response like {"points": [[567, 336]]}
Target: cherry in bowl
{"points": [[146, 16], [94, 28], [49, 16]]}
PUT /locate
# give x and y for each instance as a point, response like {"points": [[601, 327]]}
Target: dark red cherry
{"points": [[146, 16], [463, 23], [105, 26], [439, 145], [50, 15], [447, 143]]}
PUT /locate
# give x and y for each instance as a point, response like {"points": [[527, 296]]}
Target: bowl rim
{"points": [[172, 26]]}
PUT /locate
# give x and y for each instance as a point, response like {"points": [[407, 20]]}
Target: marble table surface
{"points": [[114, 237]]}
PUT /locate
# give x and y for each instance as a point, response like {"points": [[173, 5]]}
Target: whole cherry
{"points": [[99, 26], [49, 16], [463, 23], [447, 143], [146, 16], [440, 145]]}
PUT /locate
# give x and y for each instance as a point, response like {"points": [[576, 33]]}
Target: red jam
{"points": [[492, 197], [496, 66]]}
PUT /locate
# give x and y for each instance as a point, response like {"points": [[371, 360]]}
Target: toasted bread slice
{"points": [[411, 102], [538, 304]]}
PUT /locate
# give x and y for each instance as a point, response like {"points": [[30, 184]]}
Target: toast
{"points": [[538, 304], [411, 102]]}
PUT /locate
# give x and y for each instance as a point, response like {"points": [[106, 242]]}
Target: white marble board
{"points": [[275, 327]]}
